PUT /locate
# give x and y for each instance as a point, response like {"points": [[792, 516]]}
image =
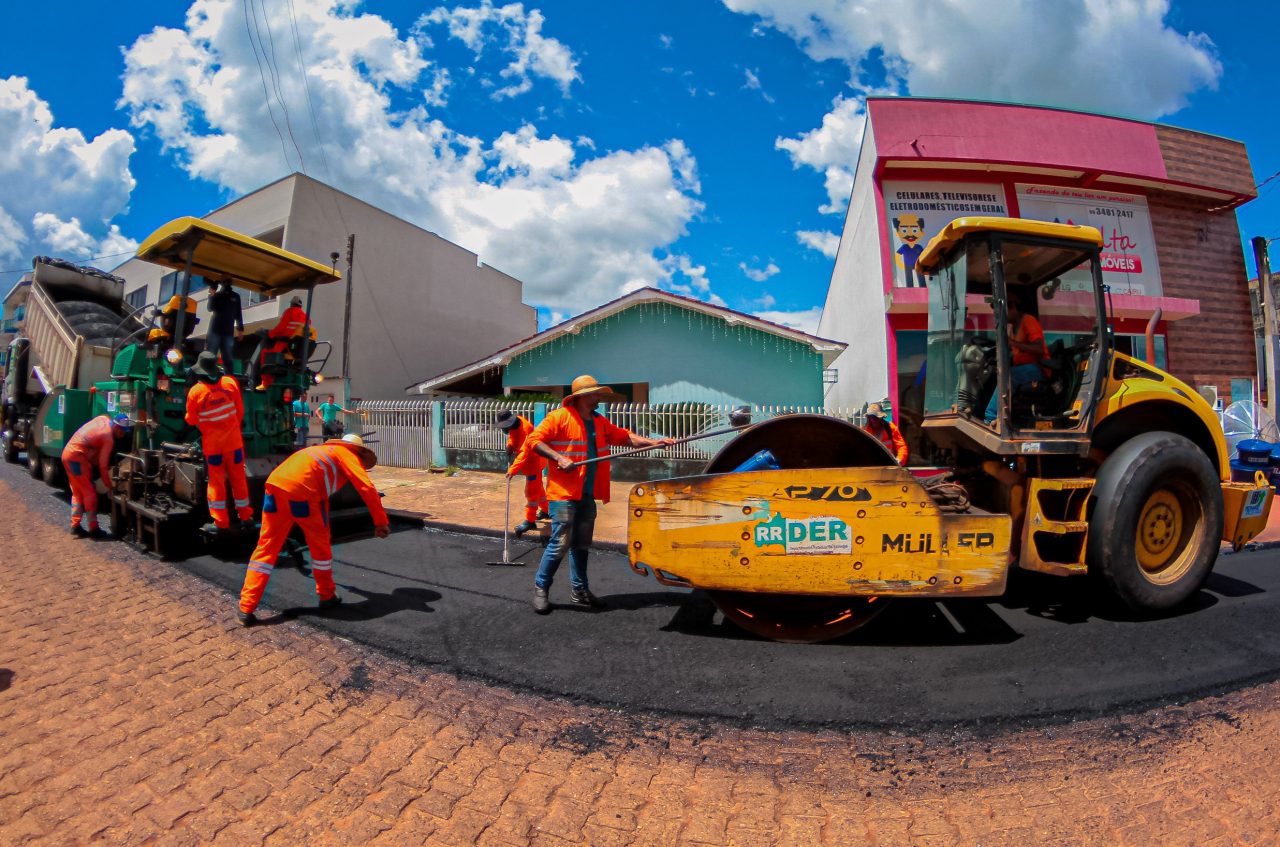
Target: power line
{"points": [[306, 86], [266, 95], [89, 259], [274, 66]]}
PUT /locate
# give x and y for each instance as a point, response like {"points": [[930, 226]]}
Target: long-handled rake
{"points": [[506, 529]]}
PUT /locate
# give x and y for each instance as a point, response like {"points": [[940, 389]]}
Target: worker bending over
{"points": [[90, 447], [886, 432], [535, 495], [215, 406], [291, 325], [298, 492], [574, 433]]}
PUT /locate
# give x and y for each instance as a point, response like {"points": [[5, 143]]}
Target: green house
{"points": [[655, 347]]}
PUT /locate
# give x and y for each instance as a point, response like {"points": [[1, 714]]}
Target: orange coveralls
{"points": [[217, 409], [535, 496], [289, 325], [91, 445], [888, 434], [565, 432], [298, 492]]}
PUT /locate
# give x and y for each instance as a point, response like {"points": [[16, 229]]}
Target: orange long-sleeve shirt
{"points": [[317, 473], [533, 463], [93, 443], [890, 436], [217, 409], [290, 323], [564, 431]]}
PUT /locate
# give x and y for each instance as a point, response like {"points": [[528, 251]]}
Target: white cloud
{"points": [[576, 227], [826, 243], [58, 191], [514, 31], [832, 149], [753, 84], [805, 320], [758, 274], [1111, 56]]}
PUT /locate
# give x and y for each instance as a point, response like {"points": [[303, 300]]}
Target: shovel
{"points": [[506, 528]]}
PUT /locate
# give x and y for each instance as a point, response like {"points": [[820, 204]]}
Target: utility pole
{"points": [[1268, 317], [346, 324]]}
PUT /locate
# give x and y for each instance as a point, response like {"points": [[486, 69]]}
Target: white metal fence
{"points": [[402, 429]]}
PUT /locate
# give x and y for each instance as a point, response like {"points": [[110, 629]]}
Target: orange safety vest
{"points": [[563, 431], [315, 474], [290, 323], [890, 436], [534, 464], [92, 443], [217, 409]]}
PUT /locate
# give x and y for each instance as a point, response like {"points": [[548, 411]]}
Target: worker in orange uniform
{"points": [[535, 495], [90, 447], [215, 406], [574, 433], [290, 325], [298, 492], [886, 432]]}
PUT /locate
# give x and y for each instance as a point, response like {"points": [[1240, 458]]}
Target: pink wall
{"points": [[907, 128]]}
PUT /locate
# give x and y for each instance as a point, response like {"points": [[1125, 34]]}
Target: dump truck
{"points": [[158, 486], [76, 319], [1091, 464]]}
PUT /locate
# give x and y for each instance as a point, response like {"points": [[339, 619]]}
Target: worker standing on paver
{"points": [[886, 432], [91, 447], [298, 492], [291, 325], [535, 494], [575, 432], [215, 406], [227, 322]]}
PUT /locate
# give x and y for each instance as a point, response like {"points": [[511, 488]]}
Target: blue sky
{"points": [[704, 146]]}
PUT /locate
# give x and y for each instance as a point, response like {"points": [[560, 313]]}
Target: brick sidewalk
{"points": [[133, 711]]}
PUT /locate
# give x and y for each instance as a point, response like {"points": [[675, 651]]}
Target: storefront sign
{"points": [[917, 211], [1129, 263]]}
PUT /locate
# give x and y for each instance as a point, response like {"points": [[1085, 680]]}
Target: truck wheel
{"points": [[35, 464], [53, 473], [1157, 521], [10, 450]]}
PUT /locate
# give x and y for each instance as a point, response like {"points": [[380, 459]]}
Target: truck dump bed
{"points": [[75, 316]]}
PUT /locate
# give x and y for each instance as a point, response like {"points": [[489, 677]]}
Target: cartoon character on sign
{"points": [[910, 231]]}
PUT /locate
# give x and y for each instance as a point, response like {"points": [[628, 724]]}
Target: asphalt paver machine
{"points": [[157, 493], [1100, 465]]}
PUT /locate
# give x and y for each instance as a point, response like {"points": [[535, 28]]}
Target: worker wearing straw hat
{"points": [[573, 433]]}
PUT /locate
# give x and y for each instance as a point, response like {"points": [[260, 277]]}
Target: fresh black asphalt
{"points": [[1048, 651]]}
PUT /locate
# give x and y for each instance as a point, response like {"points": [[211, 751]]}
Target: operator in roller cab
{"points": [[289, 327]]}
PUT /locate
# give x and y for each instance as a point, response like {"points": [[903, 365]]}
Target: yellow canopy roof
{"points": [[220, 252], [955, 231]]}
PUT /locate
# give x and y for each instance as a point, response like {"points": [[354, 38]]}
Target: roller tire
{"points": [[1162, 485]]}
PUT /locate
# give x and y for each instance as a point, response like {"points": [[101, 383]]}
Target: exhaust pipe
{"points": [[1151, 335]]}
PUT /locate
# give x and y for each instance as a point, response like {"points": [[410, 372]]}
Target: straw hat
{"points": [[586, 385], [875, 411], [354, 442]]}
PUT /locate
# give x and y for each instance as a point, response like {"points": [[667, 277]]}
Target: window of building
{"points": [[137, 298]]}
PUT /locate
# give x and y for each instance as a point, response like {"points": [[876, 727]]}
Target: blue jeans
{"points": [[573, 524], [300, 436], [225, 346], [1022, 375]]}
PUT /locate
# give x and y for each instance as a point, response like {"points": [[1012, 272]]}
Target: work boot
{"points": [[583, 597], [246, 618], [79, 531], [543, 515], [330, 602], [541, 603], [97, 533], [523, 527]]}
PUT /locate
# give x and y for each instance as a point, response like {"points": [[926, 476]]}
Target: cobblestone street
{"points": [[134, 711]]}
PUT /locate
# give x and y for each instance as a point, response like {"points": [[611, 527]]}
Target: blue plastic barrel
{"points": [[1252, 455]]}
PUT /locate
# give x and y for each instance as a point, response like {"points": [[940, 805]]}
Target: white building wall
{"points": [[420, 304], [854, 311]]}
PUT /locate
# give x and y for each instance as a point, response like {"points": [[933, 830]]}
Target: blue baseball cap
{"points": [[122, 421]]}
